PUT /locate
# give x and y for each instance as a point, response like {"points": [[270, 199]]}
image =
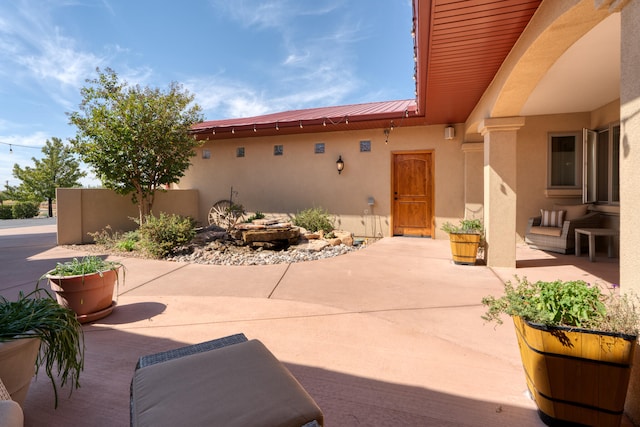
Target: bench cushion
{"points": [[238, 385], [546, 231]]}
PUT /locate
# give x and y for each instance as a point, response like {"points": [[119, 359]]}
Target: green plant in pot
{"points": [[465, 240], [86, 286], [36, 331], [577, 345]]}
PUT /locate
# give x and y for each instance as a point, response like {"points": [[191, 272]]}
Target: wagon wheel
{"points": [[219, 213]]}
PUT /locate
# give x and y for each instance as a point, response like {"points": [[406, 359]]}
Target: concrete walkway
{"points": [[389, 335]]}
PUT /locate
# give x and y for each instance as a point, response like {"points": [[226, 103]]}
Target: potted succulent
{"points": [[577, 345], [86, 286], [465, 240], [37, 331]]}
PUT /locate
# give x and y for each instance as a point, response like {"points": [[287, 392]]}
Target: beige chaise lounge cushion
{"points": [[238, 385], [10, 411]]}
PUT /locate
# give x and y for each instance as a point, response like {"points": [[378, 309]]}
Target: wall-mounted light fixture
{"points": [[339, 165], [449, 132], [386, 136]]}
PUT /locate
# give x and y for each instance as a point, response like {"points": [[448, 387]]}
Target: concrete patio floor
{"points": [[390, 335]]}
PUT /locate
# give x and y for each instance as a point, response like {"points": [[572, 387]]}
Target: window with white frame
{"points": [[601, 176], [565, 161]]}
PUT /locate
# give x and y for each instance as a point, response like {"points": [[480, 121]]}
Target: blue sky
{"points": [[239, 58]]}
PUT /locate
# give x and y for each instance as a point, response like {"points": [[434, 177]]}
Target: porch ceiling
{"points": [[460, 45]]}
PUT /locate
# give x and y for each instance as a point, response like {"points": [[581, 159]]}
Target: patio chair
{"points": [[559, 236], [225, 382]]}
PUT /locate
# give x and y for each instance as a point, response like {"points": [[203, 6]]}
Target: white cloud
{"points": [[34, 140], [316, 69], [40, 54], [20, 150], [56, 59], [221, 98], [294, 59], [272, 13]]}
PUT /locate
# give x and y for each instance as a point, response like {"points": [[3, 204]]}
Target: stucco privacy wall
{"points": [[82, 211], [301, 179]]}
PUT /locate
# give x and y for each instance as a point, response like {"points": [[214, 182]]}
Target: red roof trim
{"points": [[313, 119]]}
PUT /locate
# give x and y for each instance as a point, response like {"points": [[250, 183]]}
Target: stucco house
{"points": [[519, 82], [504, 92]]}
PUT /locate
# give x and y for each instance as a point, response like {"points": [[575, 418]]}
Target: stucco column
{"points": [[500, 137], [630, 176]]}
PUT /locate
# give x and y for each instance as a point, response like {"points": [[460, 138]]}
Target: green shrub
{"points": [[105, 237], [110, 239], [26, 210], [257, 215], [313, 220], [467, 226], [160, 236], [128, 242], [6, 212], [572, 303], [87, 265]]}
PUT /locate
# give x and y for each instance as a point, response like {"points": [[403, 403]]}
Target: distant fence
{"points": [[86, 210]]}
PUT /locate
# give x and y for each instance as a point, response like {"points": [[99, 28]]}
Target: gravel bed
{"points": [[226, 253], [247, 256]]}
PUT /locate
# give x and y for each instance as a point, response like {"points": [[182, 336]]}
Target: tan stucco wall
{"points": [[605, 115], [82, 211], [301, 179], [630, 176], [532, 158]]}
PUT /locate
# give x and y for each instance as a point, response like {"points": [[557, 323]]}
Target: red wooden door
{"points": [[413, 194]]}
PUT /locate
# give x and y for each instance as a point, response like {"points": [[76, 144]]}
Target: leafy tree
{"points": [[136, 139], [58, 168]]}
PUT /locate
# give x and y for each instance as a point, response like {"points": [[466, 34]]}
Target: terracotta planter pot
{"points": [[464, 248], [90, 296], [576, 375], [18, 365]]}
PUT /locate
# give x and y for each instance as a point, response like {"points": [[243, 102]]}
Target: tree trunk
{"points": [[50, 200], [144, 207]]}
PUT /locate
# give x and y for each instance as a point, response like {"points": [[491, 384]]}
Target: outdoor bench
{"points": [[225, 382]]}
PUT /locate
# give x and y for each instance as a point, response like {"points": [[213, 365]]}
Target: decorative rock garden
{"points": [[263, 242]]}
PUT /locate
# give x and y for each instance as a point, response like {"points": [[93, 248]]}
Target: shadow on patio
{"points": [[388, 335], [347, 400]]}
